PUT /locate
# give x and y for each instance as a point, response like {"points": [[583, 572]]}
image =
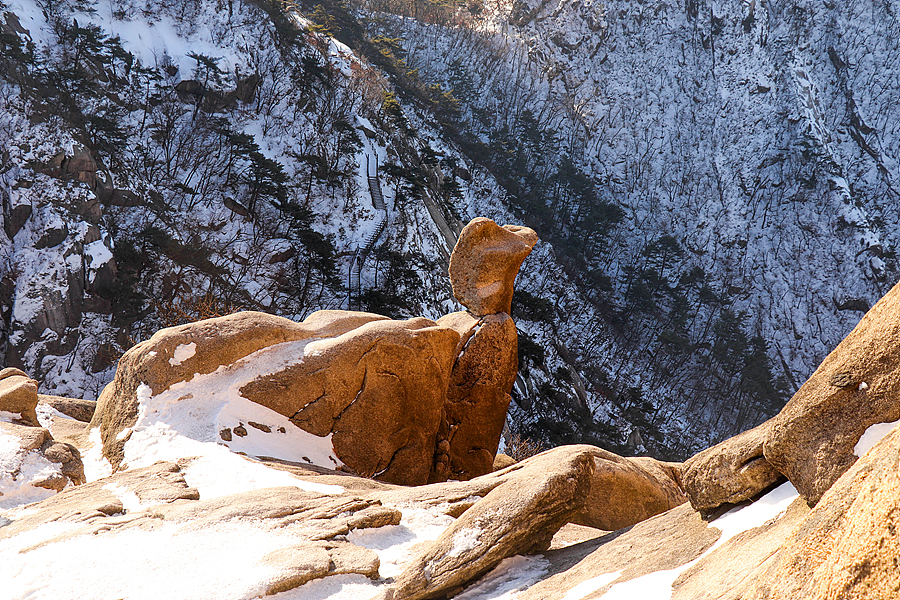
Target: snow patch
{"points": [[19, 470], [591, 585], [744, 518], [182, 353], [218, 562], [872, 436], [393, 543], [96, 255], [337, 587], [8, 417], [464, 540], [189, 419], [512, 575], [130, 501], [658, 585]]}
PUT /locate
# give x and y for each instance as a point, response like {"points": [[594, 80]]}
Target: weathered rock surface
{"points": [[161, 483], [485, 262], [18, 394], [519, 516], [10, 371], [729, 472], [377, 386], [379, 389], [728, 572], [625, 491], [76, 408], [811, 440], [478, 395], [664, 542], [848, 546], [315, 560]]}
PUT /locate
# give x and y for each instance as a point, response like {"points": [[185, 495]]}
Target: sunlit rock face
{"points": [[374, 387]]}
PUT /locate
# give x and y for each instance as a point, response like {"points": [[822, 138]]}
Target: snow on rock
{"points": [[512, 575], [173, 560], [872, 435], [463, 541], [658, 585], [20, 470], [96, 256], [743, 518], [393, 543], [210, 409], [208, 420], [95, 464], [182, 353]]}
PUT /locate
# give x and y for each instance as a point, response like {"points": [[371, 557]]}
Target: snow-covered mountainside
{"points": [[751, 148], [177, 160], [714, 185]]}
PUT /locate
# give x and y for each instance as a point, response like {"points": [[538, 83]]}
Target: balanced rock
{"points": [[729, 472], [18, 394], [811, 440], [625, 491], [485, 262], [478, 395]]}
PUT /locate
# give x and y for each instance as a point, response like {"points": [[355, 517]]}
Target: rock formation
{"points": [[30, 458], [478, 395], [485, 262], [406, 401], [483, 268], [730, 472], [18, 394], [403, 401], [848, 546], [626, 491], [379, 389], [811, 440], [519, 516], [377, 386]]}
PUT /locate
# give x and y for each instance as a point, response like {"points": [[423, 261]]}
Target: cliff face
{"points": [[178, 161]]}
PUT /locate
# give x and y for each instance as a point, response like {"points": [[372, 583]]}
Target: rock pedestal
{"points": [[478, 395]]}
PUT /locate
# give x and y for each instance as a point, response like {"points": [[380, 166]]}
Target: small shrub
{"points": [[519, 448], [187, 309]]}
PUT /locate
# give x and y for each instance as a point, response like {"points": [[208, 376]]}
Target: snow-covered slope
{"points": [[177, 160], [752, 149]]}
